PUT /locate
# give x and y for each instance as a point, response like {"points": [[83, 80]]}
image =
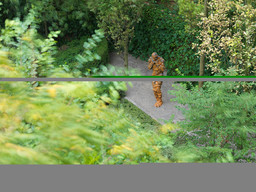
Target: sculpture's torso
{"points": [[157, 85], [157, 66]]}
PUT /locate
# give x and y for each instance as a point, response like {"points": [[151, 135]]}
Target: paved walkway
{"points": [[141, 94], [141, 66]]}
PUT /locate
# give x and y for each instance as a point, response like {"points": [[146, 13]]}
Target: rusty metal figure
{"points": [[157, 64]]}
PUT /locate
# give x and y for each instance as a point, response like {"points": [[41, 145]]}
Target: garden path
{"points": [[141, 93]]}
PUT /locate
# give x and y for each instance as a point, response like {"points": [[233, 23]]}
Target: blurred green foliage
{"points": [[68, 123], [27, 50], [79, 123]]}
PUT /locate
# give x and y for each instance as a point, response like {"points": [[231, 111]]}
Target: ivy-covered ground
{"points": [[138, 115]]}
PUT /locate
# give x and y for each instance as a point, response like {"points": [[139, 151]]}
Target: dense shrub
{"points": [[163, 31], [191, 10], [71, 17], [27, 49], [67, 55], [228, 38], [102, 51], [218, 119], [11, 9]]}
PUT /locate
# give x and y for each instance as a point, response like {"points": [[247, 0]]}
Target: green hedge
{"points": [[75, 47], [162, 30]]}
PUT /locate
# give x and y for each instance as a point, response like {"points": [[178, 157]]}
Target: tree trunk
{"points": [[201, 71], [34, 66], [202, 57], [248, 2], [126, 53], [206, 8], [45, 28]]}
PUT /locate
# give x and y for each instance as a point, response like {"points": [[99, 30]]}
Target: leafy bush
{"points": [[42, 124], [191, 11], [163, 31], [72, 18], [217, 118], [11, 9], [91, 55], [34, 55], [67, 123], [68, 57], [228, 38]]}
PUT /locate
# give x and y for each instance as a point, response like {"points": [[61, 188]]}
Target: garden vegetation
{"points": [[91, 122]]}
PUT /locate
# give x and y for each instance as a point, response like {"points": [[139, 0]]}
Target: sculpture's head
{"points": [[154, 55]]}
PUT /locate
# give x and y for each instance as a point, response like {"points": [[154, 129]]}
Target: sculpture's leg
{"points": [[159, 99], [157, 93]]}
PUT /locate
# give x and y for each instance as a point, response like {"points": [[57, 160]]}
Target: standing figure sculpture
{"points": [[157, 64]]}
